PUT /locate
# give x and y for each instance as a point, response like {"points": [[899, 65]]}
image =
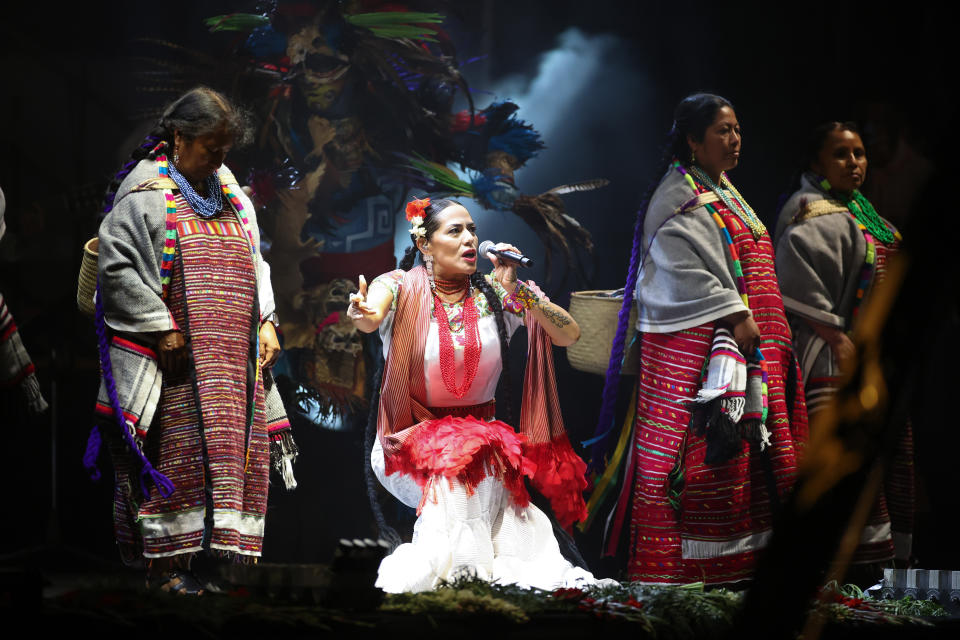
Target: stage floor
{"points": [[274, 600]]}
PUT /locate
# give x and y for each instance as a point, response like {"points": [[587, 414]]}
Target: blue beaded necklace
{"points": [[203, 207]]}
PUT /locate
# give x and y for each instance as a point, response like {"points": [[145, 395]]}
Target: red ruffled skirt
{"points": [[465, 449]]}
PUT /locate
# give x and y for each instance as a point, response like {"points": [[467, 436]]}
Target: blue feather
{"points": [[492, 192], [519, 140], [264, 43]]}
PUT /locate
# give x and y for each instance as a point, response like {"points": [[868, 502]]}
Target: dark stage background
{"points": [[598, 79]]}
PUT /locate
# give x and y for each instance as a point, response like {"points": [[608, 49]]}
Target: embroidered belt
{"points": [[482, 411]]}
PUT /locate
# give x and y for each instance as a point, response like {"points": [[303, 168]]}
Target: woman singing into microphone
{"points": [[445, 331]]}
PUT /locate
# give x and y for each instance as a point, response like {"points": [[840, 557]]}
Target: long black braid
{"points": [[480, 282], [409, 258], [386, 532], [149, 149]]}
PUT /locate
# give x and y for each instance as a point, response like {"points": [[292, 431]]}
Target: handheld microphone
{"points": [[488, 247]]}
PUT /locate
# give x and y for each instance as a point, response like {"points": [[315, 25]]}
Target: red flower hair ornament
{"points": [[415, 215]]}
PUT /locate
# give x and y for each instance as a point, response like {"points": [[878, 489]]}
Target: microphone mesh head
{"points": [[486, 246]]}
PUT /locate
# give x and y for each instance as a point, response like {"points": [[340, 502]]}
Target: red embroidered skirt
{"points": [[724, 517]]}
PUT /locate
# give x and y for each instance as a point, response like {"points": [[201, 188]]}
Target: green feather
{"points": [[383, 18], [442, 175], [398, 24], [236, 22]]}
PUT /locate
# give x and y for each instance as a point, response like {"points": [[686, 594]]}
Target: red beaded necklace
{"points": [[472, 348], [449, 287]]}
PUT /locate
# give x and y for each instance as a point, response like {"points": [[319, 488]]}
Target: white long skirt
{"points": [[484, 534]]}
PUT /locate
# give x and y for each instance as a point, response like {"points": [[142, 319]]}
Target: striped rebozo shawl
{"points": [[404, 414]]}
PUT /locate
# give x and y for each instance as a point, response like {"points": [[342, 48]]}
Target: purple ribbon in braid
{"points": [[147, 145], [91, 453], [162, 482], [605, 425]]}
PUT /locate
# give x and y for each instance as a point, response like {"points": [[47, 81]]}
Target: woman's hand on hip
{"points": [[172, 352], [269, 345]]}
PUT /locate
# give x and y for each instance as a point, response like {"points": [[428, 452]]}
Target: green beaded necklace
{"points": [[862, 210], [741, 209]]}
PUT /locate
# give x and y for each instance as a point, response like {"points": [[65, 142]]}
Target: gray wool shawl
{"points": [[686, 275], [132, 236], [819, 259]]}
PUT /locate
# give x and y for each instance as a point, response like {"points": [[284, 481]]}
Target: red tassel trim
{"points": [[465, 449], [561, 478]]}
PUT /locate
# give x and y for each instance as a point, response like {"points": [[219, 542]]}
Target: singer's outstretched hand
{"points": [[358, 301], [367, 312], [505, 272]]}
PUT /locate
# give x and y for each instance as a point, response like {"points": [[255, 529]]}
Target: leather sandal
{"points": [[178, 582]]}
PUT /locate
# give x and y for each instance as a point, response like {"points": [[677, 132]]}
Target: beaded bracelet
{"points": [[525, 295]]}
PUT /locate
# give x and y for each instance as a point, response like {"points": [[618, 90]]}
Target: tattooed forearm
{"points": [[557, 316], [561, 326], [529, 299]]}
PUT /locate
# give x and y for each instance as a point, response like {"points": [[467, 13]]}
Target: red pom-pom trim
{"points": [[465, 449], [561, 478], [415, 208], [469, 450]]}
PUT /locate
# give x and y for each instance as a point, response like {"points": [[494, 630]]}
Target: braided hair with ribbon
{"points": [[198, 112], [691, 118]]}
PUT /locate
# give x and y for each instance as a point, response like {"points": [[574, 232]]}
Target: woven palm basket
{"points": [[596, 312], [87, 282]]}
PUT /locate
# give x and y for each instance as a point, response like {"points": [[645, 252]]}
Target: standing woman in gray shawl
{"points": [[718, 428], [185, 320], [832, 248]]}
